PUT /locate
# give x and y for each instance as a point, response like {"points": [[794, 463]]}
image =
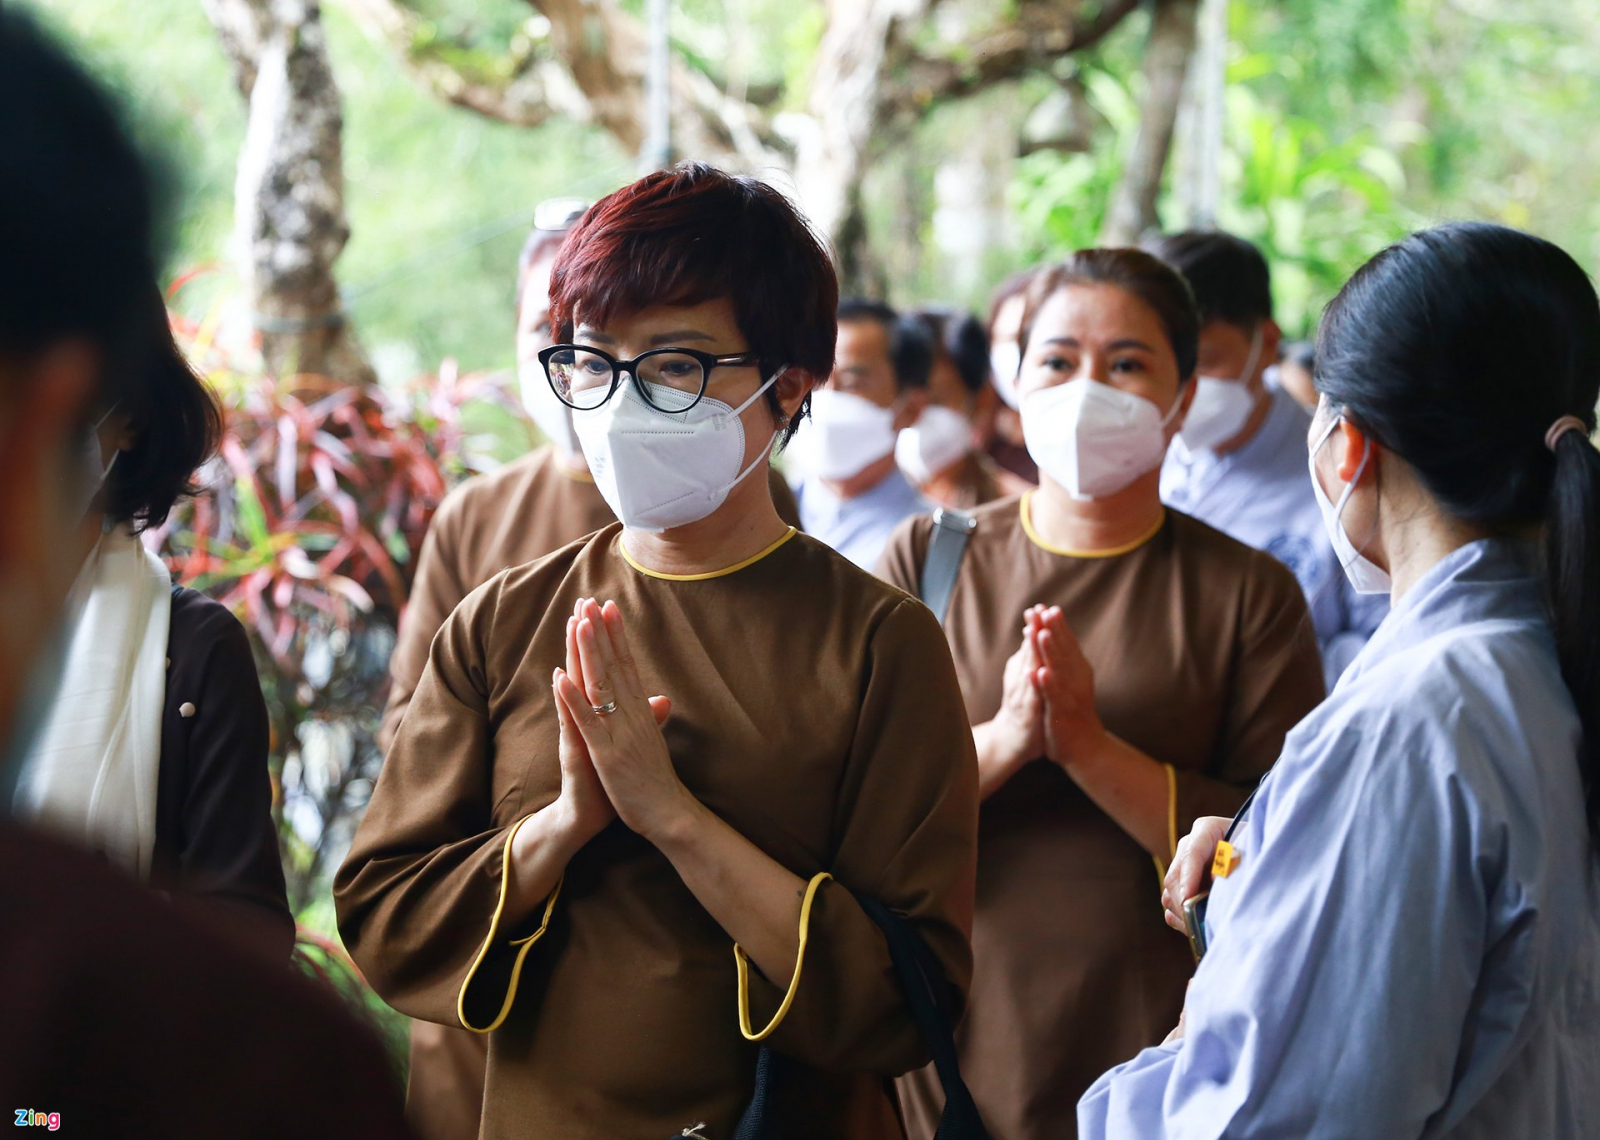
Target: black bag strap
{"points": [[952, 531], [927, 994]]}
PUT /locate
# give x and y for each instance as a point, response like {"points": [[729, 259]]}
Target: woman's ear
{"points": [[791, 389], [1351, 444]]}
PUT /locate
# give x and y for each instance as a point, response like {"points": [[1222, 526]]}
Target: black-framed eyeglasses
{"points": [[670, 379]]}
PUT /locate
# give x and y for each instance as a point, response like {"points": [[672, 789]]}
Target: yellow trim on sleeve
{"points": [[1126, 548], [737, 566], [1172, 826], [1172, 811], [794, 982], [524, 944]]}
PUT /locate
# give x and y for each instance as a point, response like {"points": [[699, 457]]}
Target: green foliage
{"points": [[321, 957], [309, 529], [423, 276]]}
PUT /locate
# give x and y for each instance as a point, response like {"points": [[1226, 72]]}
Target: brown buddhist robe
{"points": [[814, 708], [518, 513], [1204, 657]]}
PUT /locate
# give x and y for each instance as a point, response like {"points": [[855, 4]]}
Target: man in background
{"points": [[851, 493], [1239, 463], [941, 453]]}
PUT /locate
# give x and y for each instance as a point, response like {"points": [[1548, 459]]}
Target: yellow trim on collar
{"points": [[794, 982], [726, 570], [575, 476], [523, 944], [1033, 536]]}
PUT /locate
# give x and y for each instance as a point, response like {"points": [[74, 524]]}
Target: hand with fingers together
{"points": [[1015, 734], [1065, 680], [600, 696]]}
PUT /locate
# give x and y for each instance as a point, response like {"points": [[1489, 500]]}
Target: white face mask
{"points": [[657, 471], [844, 436], [553, 417], [1005, 360], [1221, 406], [1093, 439], [939, 438], [1366, 576]]}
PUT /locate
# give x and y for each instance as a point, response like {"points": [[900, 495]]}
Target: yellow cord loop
{"points": [[794, 982]]}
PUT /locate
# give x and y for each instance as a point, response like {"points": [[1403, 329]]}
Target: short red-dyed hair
{"points": [[693, 234]]}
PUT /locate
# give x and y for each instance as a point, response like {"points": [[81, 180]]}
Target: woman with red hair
{"points": [[585, 871]]}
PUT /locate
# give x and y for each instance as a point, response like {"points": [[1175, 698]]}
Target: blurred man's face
{"points": [[861, 364], [45, 420], [533, 311]]}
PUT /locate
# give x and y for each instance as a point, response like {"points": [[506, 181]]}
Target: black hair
{"points": [[176, 424], [960, 337], [1458, 349], [1230, 278], [910, 344], [76, 212], [1135, 272]]}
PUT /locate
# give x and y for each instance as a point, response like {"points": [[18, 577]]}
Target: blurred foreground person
{"points": [[851, 492], [1239, 462], [1126, 669], [616, 831], [155, 752], [119, 1014], [939, 453], [1404, 924]]}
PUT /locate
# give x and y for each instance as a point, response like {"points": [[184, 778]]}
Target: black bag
{"points": [[927, 992]]}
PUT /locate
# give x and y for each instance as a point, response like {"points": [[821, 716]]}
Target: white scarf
{"points": [[91, 776]]}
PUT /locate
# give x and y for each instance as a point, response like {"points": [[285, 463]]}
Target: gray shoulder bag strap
{"points": [[952, 530]]}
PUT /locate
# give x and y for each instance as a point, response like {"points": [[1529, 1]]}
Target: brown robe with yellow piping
{"points": [[814, 708], [518, 513], [1204, 657]]}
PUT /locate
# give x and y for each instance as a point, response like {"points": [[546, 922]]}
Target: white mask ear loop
{"points": [[1256, 343], [1349, 488], [1172, 412], [771, 441]]}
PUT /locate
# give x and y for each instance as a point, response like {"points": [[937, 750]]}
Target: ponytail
{"points": [[1572, 576], [1472, 351]]}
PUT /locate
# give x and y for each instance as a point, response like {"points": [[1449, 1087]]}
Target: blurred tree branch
{"points": [[289, 215], [1166, 64], [519, 88], [1041, 33]]}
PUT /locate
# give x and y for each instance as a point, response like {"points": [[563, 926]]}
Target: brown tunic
{"points": [[1204, 657], [130, 1019], [516, 514], [215, 839], [814, 708]]}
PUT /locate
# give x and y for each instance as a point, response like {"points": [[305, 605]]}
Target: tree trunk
{"points": [[289, 214], [1166, 62]]}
